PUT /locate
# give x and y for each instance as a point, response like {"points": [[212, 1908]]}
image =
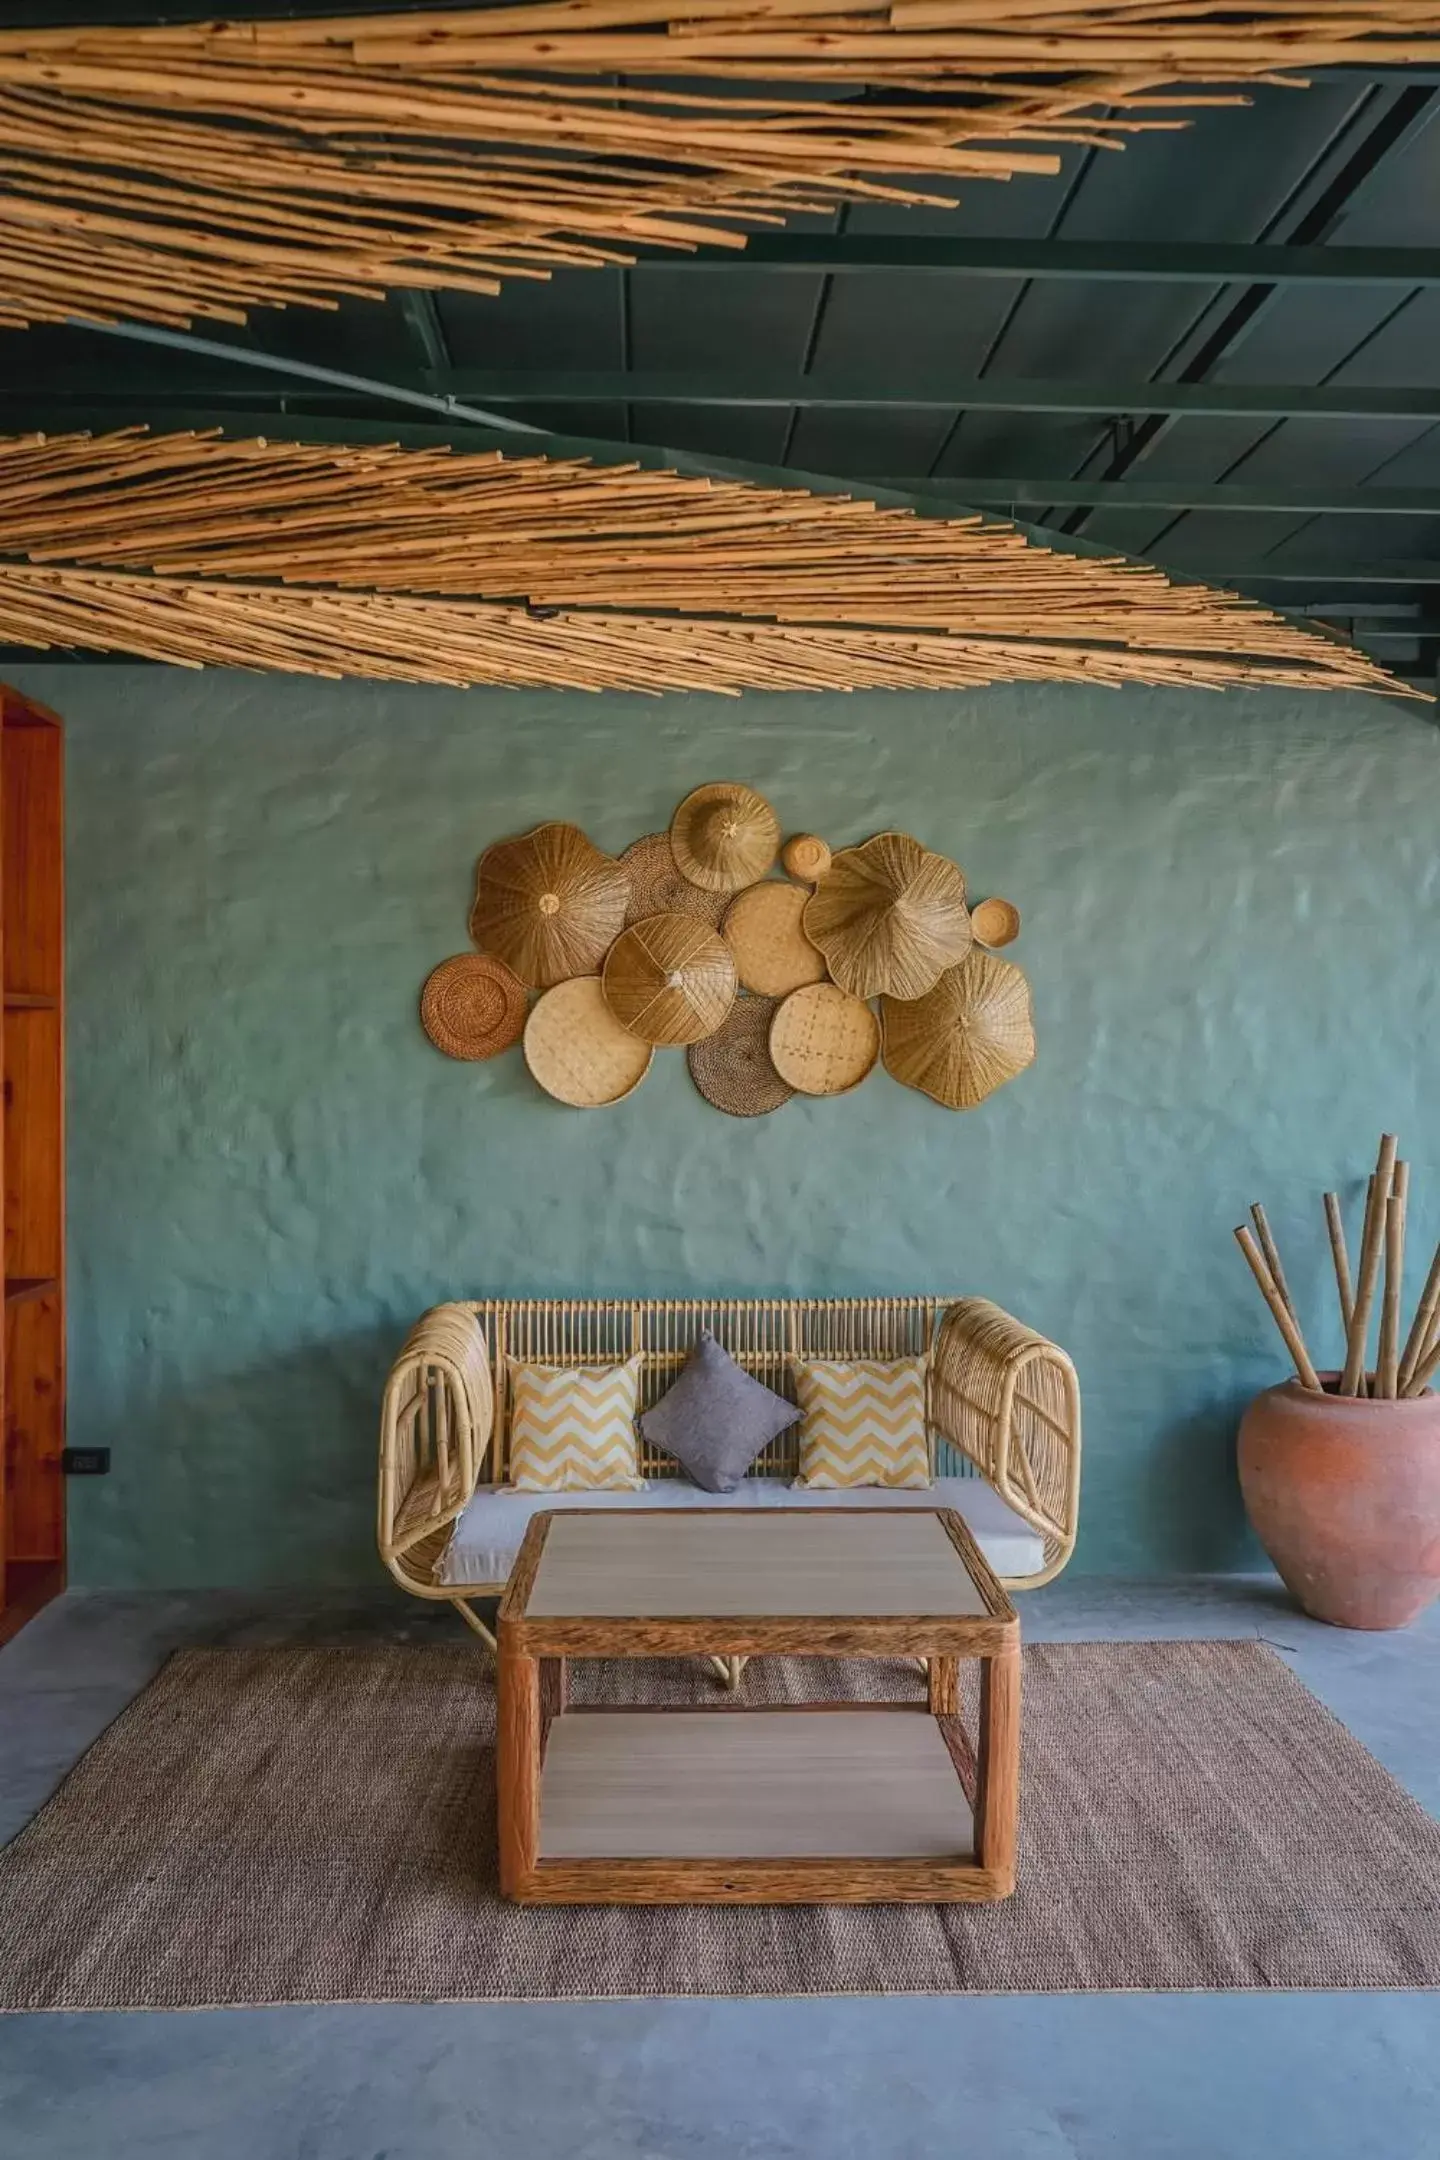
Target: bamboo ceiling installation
{"points": [[203, 169], [437, 566]]}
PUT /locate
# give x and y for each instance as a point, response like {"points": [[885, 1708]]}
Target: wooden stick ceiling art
{"points": [[480, 567], [203, 169]]}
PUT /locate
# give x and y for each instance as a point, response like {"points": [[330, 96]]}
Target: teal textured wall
{"points": [[1230, 906]]}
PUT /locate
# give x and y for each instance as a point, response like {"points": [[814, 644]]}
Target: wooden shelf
{"points": [[31, 1001], [20, 1287], [820, 1782]]}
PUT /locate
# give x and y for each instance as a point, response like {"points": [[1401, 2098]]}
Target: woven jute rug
{"points": [[280, 1826]]}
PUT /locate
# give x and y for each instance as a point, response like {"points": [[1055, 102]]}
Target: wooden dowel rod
{"points": [[1271, 1252], [1353, 1376], [1340, 1255], [1283, 1317], [1425, 1371], [1422, 1327], [1387, 1362]]}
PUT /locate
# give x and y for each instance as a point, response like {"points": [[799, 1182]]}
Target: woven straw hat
{"points": [[763, 930], [472, 1006], [806, 857], [890, 917], [670, 980], [733, 1069], [995, 922], [658, 888], [966, 1037], [548, 904], [823, 1041], [724, 836], [577, 1050]]}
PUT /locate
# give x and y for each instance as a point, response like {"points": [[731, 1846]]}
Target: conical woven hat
{"points": [[549, 904], [966, 1037], [890, 917], [724, 836], [472, 1006], [658, 887], [670, 980]]}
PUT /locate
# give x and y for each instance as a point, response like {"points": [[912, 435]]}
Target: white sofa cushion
{"points": [[488, 1533]]}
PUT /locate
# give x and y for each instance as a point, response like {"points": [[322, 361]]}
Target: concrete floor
{"points": [[1136, 2077]]}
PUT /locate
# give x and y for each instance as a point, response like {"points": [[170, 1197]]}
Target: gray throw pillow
{"points": [[715, 1419]]}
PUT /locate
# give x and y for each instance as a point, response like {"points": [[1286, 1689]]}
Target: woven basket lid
{"points": [[763, 930], [806, 857], [657, 886], [995, 922], [472, 1006], [548, 904], [670, 980], [577, 1049], [823, 1041], [733, 1069], [890, 917], [966, 1037], [724, 836]]}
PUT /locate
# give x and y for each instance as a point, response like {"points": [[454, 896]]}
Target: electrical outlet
{"points": [[85, 1461]]}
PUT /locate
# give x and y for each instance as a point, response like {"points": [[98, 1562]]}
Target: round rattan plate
{"points": [[995, 922], [472, 1006], [657, 886], [967, 1036], [806, 856], [772, 953], [670, 980], [823, 1041], [732, 1068], [577, 1050], [724, 836]]}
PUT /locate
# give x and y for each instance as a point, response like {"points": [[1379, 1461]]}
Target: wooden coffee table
{"points": [[821, 1803]]}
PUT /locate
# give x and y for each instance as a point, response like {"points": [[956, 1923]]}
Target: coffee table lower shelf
{"points": [[827, 1804]]}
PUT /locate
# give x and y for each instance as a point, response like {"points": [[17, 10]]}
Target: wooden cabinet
{"points": [[32, 1137]]}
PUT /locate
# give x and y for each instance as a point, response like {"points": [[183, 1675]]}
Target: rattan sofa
{"points": [[1004, 1423]]}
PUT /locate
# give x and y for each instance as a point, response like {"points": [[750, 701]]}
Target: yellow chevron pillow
{"points": [[574, 1430], [862, 1424]]}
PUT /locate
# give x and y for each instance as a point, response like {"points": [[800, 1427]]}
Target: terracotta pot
{"points": [[1345, 1497]]}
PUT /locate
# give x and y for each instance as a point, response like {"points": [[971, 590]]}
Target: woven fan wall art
{"points": [[550, 904], [966, 1037], [690, 941], [889, 917]]}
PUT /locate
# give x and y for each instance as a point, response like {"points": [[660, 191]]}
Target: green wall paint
{"points": [[1231, 906]]}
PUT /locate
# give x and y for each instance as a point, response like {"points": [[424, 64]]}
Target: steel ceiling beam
{"points": [[459, 392], [185, 341], [987, 493], [1129, 261], [1299, 571], [1313, 212]]}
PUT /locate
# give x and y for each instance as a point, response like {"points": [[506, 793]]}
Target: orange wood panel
{"points": [[34, 1429], [34, 1187], [31, 858], [32, 1376]]}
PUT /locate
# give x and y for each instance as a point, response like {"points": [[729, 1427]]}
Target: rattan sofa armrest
{"points": [[1009, 1399], [436, 1423]]}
